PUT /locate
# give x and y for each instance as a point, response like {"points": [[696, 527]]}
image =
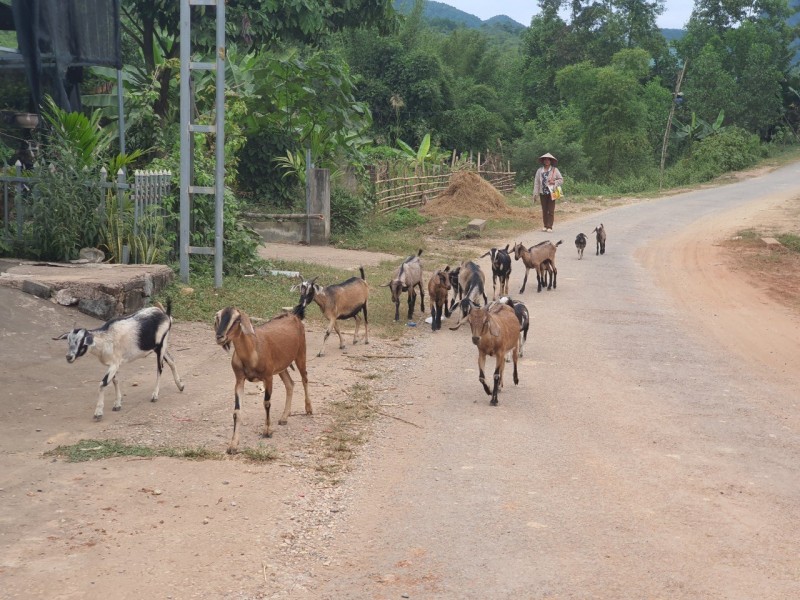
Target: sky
{"points": [[675, 16]]}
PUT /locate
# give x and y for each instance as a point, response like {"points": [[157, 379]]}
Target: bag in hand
{"points": [[556, 193]]}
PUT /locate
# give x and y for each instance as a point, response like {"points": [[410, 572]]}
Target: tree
{"points": [[251, 24]]}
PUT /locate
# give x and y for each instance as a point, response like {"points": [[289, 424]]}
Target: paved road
{"points": [[637, 458]]}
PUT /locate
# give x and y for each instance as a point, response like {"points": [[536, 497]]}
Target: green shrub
{"points": [[347, 212], [404, 218], [731, 149]]}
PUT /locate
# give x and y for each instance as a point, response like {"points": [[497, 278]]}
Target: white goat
{"points": [[123, 340]]}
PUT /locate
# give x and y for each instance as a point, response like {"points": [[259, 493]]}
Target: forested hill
{"points": [[438, 13], [445, 17]]}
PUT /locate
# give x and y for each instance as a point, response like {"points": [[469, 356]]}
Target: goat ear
{"points": [[447, 269], [487, 254], [88, 339], [506, 248], [494, 328], [385, 284], [245, 324], [63, 336]]}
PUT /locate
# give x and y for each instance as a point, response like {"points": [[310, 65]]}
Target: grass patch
{"points": [[89, 450], [260, 454], [347, 431], [790, 241]]}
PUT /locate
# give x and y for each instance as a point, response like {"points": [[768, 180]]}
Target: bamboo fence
{"points": [[398, 186]]}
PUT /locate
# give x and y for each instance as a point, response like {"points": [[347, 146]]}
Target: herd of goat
{"points": [[499, 328]]}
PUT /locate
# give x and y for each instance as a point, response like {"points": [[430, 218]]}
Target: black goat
{"points": [[501, 269], [580, 244], [601, 239]]}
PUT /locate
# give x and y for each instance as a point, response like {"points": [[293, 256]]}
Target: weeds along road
{"points": [[638, 457]]}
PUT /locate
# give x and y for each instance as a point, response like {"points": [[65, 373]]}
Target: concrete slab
{"points": [[476, 225], [100, 290], [771, 243]]}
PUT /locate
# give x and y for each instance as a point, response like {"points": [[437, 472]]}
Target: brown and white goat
{"points": [[261, 353], [501, 269], [438, 290], [524, 318], [122, 340], [600, 236], [407, 277], [495, 331], [346, 300], [471, 281], [536, 257]]}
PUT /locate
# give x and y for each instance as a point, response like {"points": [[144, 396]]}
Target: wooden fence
{"points": [[400, 186]]}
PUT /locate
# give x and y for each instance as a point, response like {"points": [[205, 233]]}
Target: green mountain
{"points": [[444, 16]]}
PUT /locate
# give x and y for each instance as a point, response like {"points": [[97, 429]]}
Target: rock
{"points": [[101, 308], [36, 289], [92, 255], [65, 298]]}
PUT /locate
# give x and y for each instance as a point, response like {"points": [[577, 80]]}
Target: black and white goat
{"points": [[471, 281], [501, 269], [346, 300], [123, 340]]}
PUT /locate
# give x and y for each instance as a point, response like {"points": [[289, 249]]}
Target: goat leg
{"points": [[107, 378], [481, 375], [118, 394], [289, 385], [233, 446], [498, 378], [421, 298], [525, 281], [171, 362], [159, 369], [412, 300]]}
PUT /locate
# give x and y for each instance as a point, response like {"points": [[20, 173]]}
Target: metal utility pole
{"points": [[669, 125], [189, 128]]}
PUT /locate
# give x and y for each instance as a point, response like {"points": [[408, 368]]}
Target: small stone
{"points": [[206, 521], [157, 492]]}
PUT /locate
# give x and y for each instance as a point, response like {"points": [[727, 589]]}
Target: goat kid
{"points": [[501, 269], [407, 277], [524, 321], [438, 291], [123, 340], [580, 244], [495, 331], [346, 300], [601, 239], [471, 282], [537, 258], [261, 353]]}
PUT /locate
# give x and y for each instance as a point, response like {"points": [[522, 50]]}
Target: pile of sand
{"points": [[468, 195]]}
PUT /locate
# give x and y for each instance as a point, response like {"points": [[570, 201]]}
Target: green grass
{"points": [[264, 295], [87, 450], [260, 453], [381, 233], [790, 240]]}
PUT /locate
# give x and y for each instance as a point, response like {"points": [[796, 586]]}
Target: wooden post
{"points": [[669, 125], [479, 162], [320, 203]]}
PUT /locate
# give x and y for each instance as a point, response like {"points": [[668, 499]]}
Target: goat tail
{"points": [[300, 311], [361, 270], [419, 252], [168, 310], [559, 242]]}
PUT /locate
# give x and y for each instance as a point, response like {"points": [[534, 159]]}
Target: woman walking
{"points": [[547, 179]]}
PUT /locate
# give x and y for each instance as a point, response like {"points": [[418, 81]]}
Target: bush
{"points": [[731, 149], [347, 212], [404, 218]]}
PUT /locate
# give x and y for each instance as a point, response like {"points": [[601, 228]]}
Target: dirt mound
{"points": [[468, 195]]}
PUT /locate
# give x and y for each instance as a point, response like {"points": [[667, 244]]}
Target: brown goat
{"points": [[346, 300], [600, 235], [537, 257], [495, 331], [259, 354], [438, 290], [407, 276]]}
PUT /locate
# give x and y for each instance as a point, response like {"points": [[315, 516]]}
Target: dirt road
{"points": [[650, 450]]}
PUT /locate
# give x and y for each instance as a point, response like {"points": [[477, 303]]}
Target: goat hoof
{"points": [[98, 417], [232, 450], [116, 408], [282, 422], [181, 387], [319, 354], [154, 399], [493, 403], [267, 434]]}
